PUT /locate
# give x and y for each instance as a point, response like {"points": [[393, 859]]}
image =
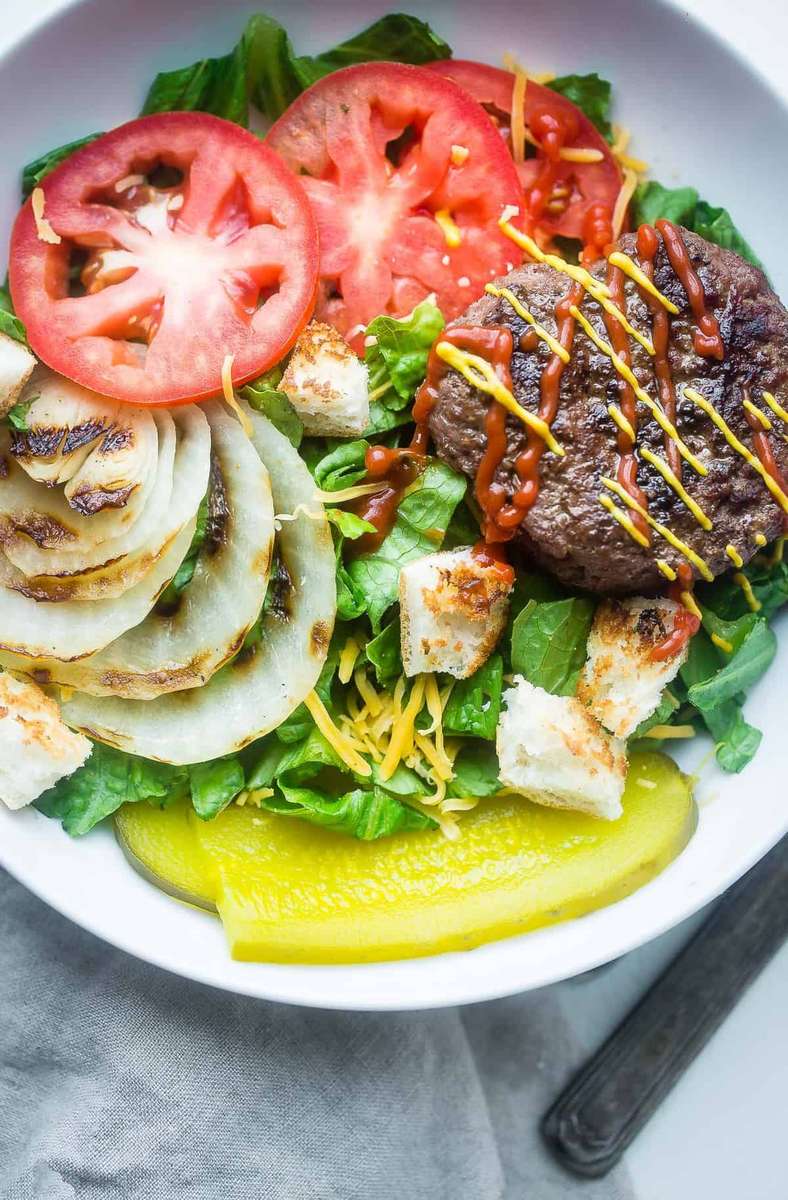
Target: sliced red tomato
{"points": [[569, 199], [182, 239], [400, 213]]}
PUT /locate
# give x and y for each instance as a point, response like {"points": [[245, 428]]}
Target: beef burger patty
{"points": [[567, 530]]}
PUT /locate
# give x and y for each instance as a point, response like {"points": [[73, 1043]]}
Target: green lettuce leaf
{"points": [[475, 771], [10, 324], [652, 201], [592, 96], [299, 724], [735, 741], [422, 520], [263, 396], [474, 704], [348, 524], [398, 357], [17, 416], [549, 643], [367, 815], [740, 670], [384, 653], [343, 466], [214, 785], [185, 573], [37, 170], [263, 68], [768, 576], [108, 779]]}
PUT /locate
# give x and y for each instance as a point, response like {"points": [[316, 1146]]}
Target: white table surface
{"points": [[721, 1133]]}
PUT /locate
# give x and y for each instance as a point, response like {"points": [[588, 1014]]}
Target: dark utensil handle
{"points": [[611, 1099]]}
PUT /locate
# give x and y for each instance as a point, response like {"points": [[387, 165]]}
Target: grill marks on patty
{"points": [[567, 530]]}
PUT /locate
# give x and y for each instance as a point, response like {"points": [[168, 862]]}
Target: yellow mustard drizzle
{"points": [[480, 374], [667, 570], [523, 312], [625, 521], [596, 289], [630, 268], [776, 408], [760, 539], [734, 556], [673, 481], [723, 643], [756, 412], [621, 421], [699, 563], [749, 595], [689, 602], [626, 373], [751, 459], [449, 228]]}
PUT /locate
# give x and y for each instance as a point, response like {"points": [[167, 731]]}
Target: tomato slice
{"points": [[567, 199], [183, 239], [373, 146]]}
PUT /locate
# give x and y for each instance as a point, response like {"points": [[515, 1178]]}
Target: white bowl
{"points": [[696, 111]]}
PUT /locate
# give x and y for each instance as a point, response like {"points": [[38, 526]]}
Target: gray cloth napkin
{"points": [[119, 1080]]}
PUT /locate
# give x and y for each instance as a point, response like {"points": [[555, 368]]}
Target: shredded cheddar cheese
{"points": [[347, 660], [673, 481], [481, 375], [622, 200], [666, 732], [44, 230], [518, 112], [449, 228], [128, 182], [621, 141], [734, 556], [523, 312], [626, 373], [630, 268], [699, 563], [752, 460], [336, 738], [230, 398], [343, 495], [459, 156], [401, 739]]}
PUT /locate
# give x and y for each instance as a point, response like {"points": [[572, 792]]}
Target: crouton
{"points": [[327, 384], [453, 610], [621, 683], [36, 748], [552, 750], [16, 367]]}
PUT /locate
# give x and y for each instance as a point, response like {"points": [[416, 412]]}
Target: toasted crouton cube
{"points": [[453, 610], [16, 367], [552, 750], [621, 683], [36, 747], [327, 384]]}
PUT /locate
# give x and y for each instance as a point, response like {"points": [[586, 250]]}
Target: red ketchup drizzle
{"points": [[686, 624], [760, 440], [648, 244], [493, 556], [627, 468], [706, 339]]}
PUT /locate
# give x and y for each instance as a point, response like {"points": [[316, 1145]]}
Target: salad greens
{"points": [[474, 705], [683, 206], [9, 321], [264, 396], [592, 96], [549, 643]]}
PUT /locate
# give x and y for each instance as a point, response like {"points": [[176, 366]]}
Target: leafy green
{"points": [[398, 357], [348, 524], [299, 724], [185, 573], [214, 785], [463, 528], [735, 741], [652, 201], [384, 653], [592, 96], [474, 704], [341, 467], [10, 324], [263, 396], [367, 815], [549, 643], [108, 779], [17, 416], [37, 170], [666, 709], [475, 771], [768, 576], [742, 669], [264, 69], [351, 601], [422, 519]]}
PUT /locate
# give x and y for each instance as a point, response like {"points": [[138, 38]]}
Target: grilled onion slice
{"points": [[180, 484], [261, 687], [168, 653]]}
